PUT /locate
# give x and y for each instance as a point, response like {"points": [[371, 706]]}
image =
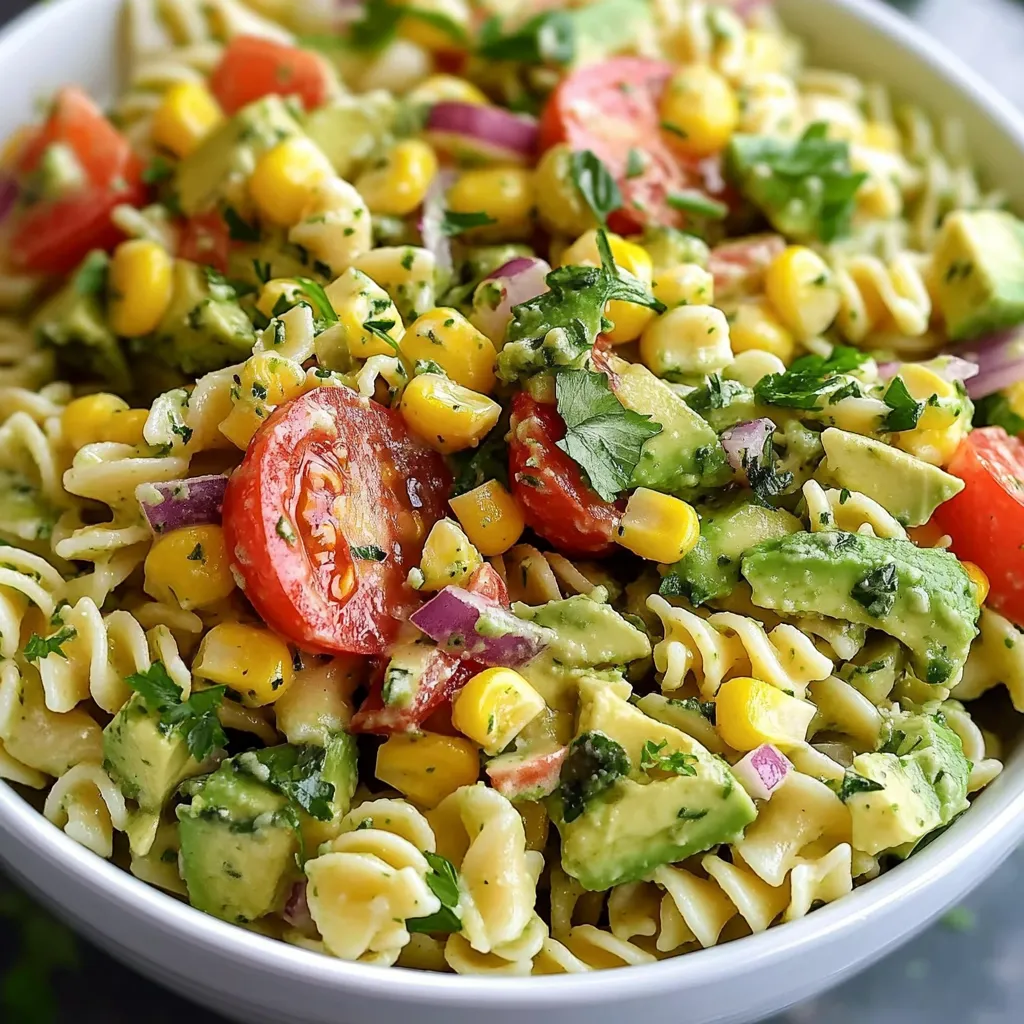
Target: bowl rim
{"points": [[985, 835]]}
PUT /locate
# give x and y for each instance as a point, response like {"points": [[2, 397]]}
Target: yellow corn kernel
{"points": [[427, 24], [924, 384], [629, 318], [686, 284], [505, 194], [446, 415], [141, 287], [977, 576], [803, 291], [251, 660], [446, 337], [448, 557], [687, 343], [272, 293], [754, 327], [427, 767], [186, 115], [285, 178], [936, 447], [699, 111], [560, 206], [1015, 396], [189, 567], [102, 417], [398, 186], [490, 516], [658, 527], [266, 381], [358, 299], [494, 707], [750, 712], [446, 89], [881, 135]]}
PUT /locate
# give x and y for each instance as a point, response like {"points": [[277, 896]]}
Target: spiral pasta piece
{"points": [[25, 578], [87, 804], [996, 657], [588, 948], [850, 511], [879, 297]]}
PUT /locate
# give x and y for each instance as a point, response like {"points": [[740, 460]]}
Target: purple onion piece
{"points": [[518, 280], [296, 909], [468, 624], [176, 503], [948, 367], [1000, 361], [745, 442], [431, 217], [762, 771], [488, 132]]}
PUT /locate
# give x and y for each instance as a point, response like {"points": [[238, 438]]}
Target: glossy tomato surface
{"points": [[252, 68]]}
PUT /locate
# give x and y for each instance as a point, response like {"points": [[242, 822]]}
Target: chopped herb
{"points": [[636, 163], [547, 38], [844, 496], [297, 773], [314, 292], [454, 223], [905, 409], [240, 230], [877, 590], [369, 552], [592, 766], [196, 554], [379, 329], [808, 379], [488, 461], [687, 815], [261, 270], [853, 784], [705, 708], [91, 276], [37, 647], [679, 762], [596, 185], [762, 473], [444, 884], [158, 170], [674, 129], [285, 530], [698, 204]]}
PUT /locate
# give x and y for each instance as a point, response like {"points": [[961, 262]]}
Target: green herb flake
{"points": [[595, 184], [369, 552], [37, 647], [455, 223], [877, 590]]}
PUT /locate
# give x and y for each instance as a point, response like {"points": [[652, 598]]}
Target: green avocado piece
{"points": [[712, 568], [609, 27], [668, 247], [686, 454], [921, 596], [649, 817], [723, 403], [908, 488], [979, 272], [238, 846], [923, 775], [351, 129], [204, 327], [229, 155]]}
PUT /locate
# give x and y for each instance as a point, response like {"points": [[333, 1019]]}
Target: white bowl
{"points": [[251, 978]]}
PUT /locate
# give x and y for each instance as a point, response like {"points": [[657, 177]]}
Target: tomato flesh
{"points": [[986, 519], [533, 777], [549, 486], [327, 473], [205, 240]]}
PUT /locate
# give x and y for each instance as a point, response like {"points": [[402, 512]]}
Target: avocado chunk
{"points": [[636, 793], [238, 845], [979, 272], [668, 247], [350, 129], [921, 596], [921, 779], [723, 403], [229, 155], [907, 488], [204, 327], [712, 568], [609, 27]]}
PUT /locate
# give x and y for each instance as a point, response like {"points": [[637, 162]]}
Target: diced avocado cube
{"points": [[979, 272], [341, 770], [668, 247], [350, 129], [229, 155], [712, 568], [609, 27], [921, 596], [652, 815], [907, 488]]}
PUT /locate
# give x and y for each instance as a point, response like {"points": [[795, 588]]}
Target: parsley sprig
{"points": [[811, 379], [877, 590], [444, 884], [295, 772], [37, 647], [595, 184], [677, 761], [454, 223], [853, 784], [904, 409]]}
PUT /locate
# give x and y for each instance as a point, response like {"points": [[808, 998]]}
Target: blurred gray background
{"points": [[968, 968]]}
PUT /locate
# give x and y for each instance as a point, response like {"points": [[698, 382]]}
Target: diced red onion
{"points": [[1000, 360], [175, 503], [745, 441], [483, 132], [762, 771], [520, 279], [296, 909], [8, 196], [475, 627], [431, 218], [533, 776]]}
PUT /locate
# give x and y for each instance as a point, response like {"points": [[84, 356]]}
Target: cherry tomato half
{"points": [[205, 240]]}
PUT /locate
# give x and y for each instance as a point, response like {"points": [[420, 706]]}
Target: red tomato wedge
{"points": [[486, 582], [549, 486], [531, 778], [205, 240], [986, 519], [252, 68], [611, 108], [54, 236], [327, 474]]}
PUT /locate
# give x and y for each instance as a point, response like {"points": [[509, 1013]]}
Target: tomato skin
{"points": [[534, 777], [556, 502], [486, 582], [986, 519], [739, 266], [330, 469], [205, 240], [252, 68]]}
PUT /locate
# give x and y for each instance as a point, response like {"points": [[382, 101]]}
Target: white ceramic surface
{"points": [[251, 978]]}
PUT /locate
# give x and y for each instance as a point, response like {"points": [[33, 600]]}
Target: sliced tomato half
{"points": [[326, 515], [549, 487]]}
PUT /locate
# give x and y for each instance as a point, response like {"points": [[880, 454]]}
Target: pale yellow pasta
{"points": [[87, 804], [997, 657], [883, 297], [842, 709], [848, 510]]}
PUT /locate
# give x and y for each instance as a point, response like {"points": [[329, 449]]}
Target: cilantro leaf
{"points": [[91, 276], [853, 784], [762, 473], [488, 461], [810, 378], [994, 411], [602, 436], [377, 27], [706, 708], [379, 329], [594, 763], [314, 292], [596, 185], [157, 170], [547, 38], [240, 230], [905, 409], [444, 884], [295, 772], [453, 223], [37, 647], [877, 590], [843, 359], [369, 552], [677, 761]]}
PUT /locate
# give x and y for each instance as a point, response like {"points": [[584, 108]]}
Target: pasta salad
{"points": [[503, 487]]}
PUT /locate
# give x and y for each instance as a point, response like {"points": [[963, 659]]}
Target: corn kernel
{"points": [[936, 447], [141, 287], [189, 567], [750, 712], [699, 111], [446, 415], [687, 343], [490, 516], [977, 576], [629, 318], [448, 557], [802, 288], [427, 767], [285, 180], [427, 24], [251, 660], [186, 115], [266, 381], [685, 284], [505, 194], [754, 327], [276, 290], [446, 89], [560, 206], [658, 527], [446, 337], [358, 299], [102, 417], [398, 186], [494, 707], [1015, 396], [924, 384]]}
